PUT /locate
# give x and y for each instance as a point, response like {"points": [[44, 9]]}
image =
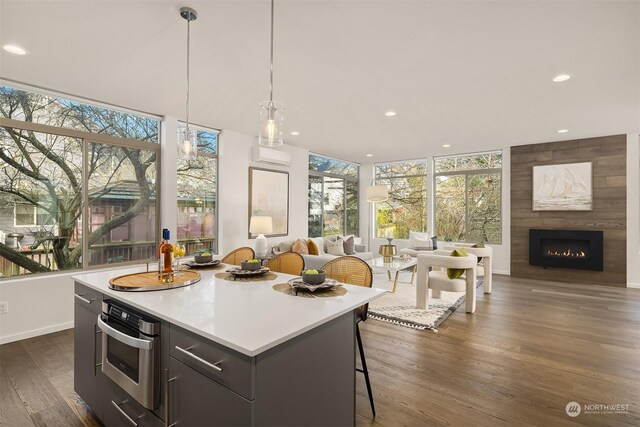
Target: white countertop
{"points": [[249, 317]]}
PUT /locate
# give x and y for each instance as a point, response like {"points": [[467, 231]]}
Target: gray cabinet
{"points": [[197, 400], [119, 409], [88, 378]]}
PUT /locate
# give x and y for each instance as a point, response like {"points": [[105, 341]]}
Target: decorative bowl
{"points": [[202, 259], [250, 266], [313, 279]]}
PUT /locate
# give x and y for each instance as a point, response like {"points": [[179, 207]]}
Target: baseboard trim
{"points": [[502, 272], [633, 285], [35, 332]]}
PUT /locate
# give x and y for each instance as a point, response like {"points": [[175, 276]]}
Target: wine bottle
{"points": [[161, 255], [167, 258]]}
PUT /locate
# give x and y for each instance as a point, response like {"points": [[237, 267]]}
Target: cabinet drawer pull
{"points": [[124, 414], [167, 400], [213, 366], [83, 299]]}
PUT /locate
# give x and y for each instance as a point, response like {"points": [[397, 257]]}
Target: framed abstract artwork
{"points": [[269, 196], [566, 187]]}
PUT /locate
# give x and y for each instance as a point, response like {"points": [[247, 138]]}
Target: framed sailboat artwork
{"points": [[566, 187]]}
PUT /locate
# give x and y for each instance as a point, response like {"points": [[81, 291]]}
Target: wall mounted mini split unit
{"points": [[269, 155]]}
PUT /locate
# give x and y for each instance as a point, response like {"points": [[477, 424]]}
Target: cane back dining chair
{"points": [[241, 254], [354, 271], [288, 263]]}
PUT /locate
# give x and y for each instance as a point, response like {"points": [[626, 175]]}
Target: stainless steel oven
{"points": [[131, 352]]}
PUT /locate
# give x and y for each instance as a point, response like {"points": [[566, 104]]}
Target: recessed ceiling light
{"points": [[369, 155], [563, 130], [295, 133], [16, 50], [446, 145], [390, 113], [561, 78]]}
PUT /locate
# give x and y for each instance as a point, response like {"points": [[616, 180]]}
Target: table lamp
{"points": [[261, 225]]}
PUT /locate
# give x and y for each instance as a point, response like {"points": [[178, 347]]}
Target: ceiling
{"points": [[476, 75]]}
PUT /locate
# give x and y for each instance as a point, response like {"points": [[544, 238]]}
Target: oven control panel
{"points": [[125, 316], [135, 321]]}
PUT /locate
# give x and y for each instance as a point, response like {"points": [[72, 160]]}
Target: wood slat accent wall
{"points": [[609, 157]]}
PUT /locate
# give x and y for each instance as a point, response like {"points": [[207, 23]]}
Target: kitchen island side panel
{"points": [[309, 380]]}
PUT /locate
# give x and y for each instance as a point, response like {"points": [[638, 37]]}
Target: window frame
{"points": [[377, 179], [345, 178], [467, 173], [88, 138], [15, 216]]}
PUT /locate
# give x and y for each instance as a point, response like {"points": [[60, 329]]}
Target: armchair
{"points": [[438, 281]]}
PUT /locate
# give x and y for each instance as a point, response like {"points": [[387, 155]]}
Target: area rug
{"points": [[400, 307]]}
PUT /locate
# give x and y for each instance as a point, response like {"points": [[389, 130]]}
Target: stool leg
{"points": [[364, 370]]}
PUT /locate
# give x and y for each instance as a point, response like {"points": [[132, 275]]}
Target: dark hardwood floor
{"points": [[530, 348]]}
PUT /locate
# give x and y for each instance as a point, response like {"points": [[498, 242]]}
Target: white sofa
{"points": [[317, 261]]}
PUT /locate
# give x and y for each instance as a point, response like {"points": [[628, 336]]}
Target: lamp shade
{"points": [[261, 225], [377, 193]]}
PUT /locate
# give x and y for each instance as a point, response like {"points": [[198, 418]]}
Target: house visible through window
{"points": [[333, 196], [468, 197]]}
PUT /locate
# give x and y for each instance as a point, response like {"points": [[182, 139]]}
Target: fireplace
{"points": [[578, 249]]}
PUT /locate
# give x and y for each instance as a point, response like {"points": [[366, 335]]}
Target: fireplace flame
{"points": [[566, 253]]}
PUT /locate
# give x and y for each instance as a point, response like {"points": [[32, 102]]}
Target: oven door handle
{"points": [[124, 338]]}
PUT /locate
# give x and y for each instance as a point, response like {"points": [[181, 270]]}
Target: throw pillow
{"points": [[300, 247], [285, 246], [479, 245], [348, 244], [312, 247], [335, 248], [454, 273]]}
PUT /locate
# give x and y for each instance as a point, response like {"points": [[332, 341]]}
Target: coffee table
{"points": [[396, 266]]}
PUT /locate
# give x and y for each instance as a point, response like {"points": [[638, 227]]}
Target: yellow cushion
{"points": [[454, 273], [300, 247], [312, 247]]}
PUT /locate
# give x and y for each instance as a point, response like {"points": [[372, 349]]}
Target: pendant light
{"points": [[271, 113], [188, 138]]}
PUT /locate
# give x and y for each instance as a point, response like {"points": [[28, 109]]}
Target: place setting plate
{"points": [[238, 272], [193, 264], [298, 284]]}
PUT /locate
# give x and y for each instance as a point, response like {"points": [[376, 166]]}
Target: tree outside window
{"points": [[45, 144], [468, 197], [406, 209]]}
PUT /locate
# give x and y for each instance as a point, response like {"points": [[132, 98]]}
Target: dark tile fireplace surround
{"points": [[577, 249]]}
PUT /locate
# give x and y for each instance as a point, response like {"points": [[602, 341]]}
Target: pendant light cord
{"points": [[188, 57], [271, 69]]}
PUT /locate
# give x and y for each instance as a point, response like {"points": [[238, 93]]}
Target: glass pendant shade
{"points": [[187, 143], [271, 124]]}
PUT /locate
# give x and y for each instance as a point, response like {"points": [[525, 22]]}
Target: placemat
{"points": [[262, 278], [286, 289]]}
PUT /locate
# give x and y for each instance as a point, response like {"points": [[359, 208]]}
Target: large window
{"points": [[77, 184], [197, 190], [333, 197], [406, 209], [468, 197]]}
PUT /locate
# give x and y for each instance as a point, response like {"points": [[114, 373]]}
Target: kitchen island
{"points": [[222, 353]]}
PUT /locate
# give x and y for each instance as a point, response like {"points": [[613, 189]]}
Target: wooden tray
{"points": [[149, 281]]}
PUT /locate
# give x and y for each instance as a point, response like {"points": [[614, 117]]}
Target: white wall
{"points": [[44, 303], [235, 159], [633, 210]]}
